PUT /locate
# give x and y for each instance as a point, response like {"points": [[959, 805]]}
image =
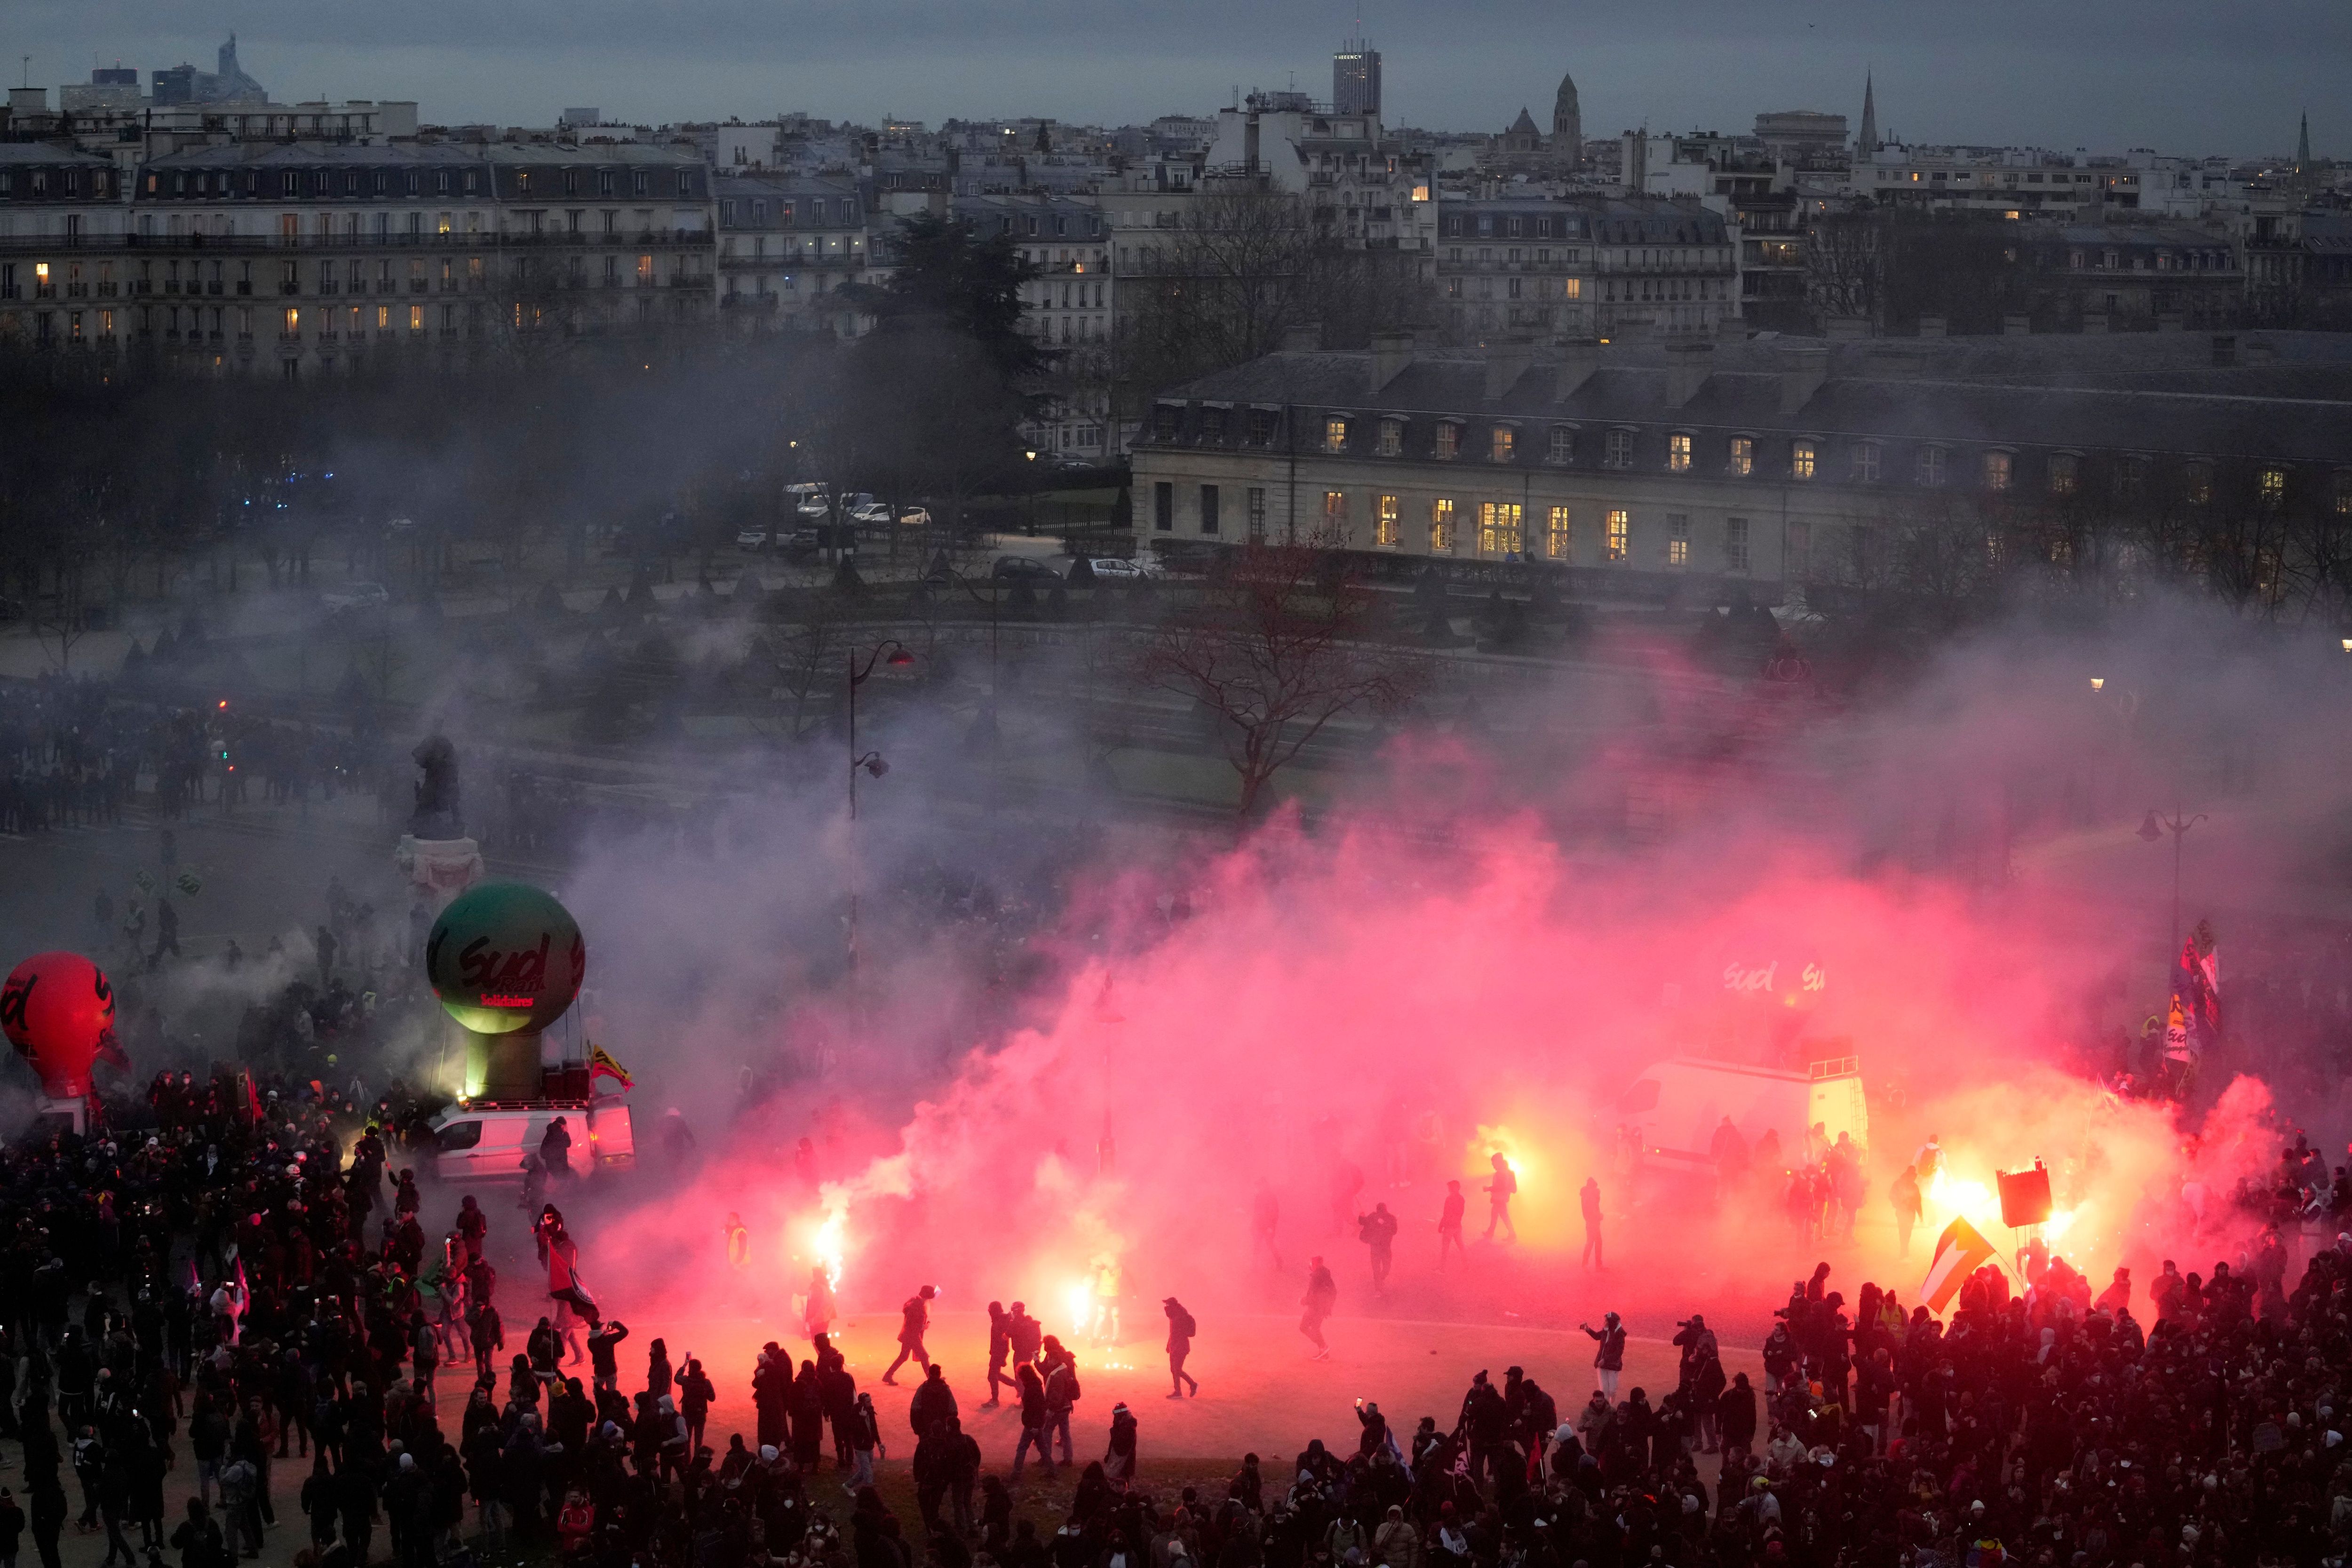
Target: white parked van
{"points": [[486, 1143], [1678, 1104]]}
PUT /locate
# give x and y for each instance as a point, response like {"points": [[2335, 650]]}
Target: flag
{"points": [[189, 883], [1959, 1252], [600, 1061], [2197, 980]]}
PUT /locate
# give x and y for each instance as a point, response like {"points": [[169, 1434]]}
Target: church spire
{"points": [[1865, 145], [2303, 145]]}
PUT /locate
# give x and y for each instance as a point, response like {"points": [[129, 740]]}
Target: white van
{"points": [[1678, 1104], [485, 1144]]}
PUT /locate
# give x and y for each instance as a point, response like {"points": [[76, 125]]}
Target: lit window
{"points": [[1620, 535], [293, 321], [1392, 438], [1865, 462], [1930, 467], [1449, 438], [1561, 448], [1800, 460], [1617, 450], [2269, 485], [1335, 435], [2000, 470], [1560, 543], [1498, 528], [1387, 525], [1678, 453], [1677, 538], [1743, 456], [1499, 448], [2344, 493], [2065, 472], [1441, 526], [1735, 544], [1335, 514], [417, 318], [2197, 483]]}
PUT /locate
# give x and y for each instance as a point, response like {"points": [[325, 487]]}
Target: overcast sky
{"points": [[2181, 76]]}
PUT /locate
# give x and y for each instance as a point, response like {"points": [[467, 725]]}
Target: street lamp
{"points": [[2155, 828], [888, 651]]}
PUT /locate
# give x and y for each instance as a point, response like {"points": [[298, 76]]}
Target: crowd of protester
{"points": [[248, 1296]]}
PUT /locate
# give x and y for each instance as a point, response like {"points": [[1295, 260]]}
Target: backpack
{"points": [[1070, 1381], [1185, 1327]]}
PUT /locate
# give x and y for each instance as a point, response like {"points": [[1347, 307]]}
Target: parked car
{"points": [[915, 517], [804, 543], [872, 511], [356, 597], [1117, 569], [814, 502], [1023, 568]]}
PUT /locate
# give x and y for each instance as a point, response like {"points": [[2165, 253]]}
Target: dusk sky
{"points": [[2102, 74]]}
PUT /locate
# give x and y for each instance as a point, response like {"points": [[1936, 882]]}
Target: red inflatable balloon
{"points": [[58, 1010]]}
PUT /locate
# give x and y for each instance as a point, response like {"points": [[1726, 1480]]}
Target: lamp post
{"points": [[2155, 828], [891, 651]]}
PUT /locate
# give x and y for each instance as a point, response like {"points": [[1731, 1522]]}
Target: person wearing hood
{"points": [[1118, 1458], [1609, 1358]]}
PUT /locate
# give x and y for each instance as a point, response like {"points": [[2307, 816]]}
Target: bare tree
{"points": [[1247, 264], [1277, 646]]}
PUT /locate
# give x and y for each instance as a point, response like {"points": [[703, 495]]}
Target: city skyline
{"points": [[2192, 85]]}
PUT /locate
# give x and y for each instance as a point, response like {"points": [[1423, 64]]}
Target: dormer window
{"points": [[1742, 461], [2343, 496], [1501, 443], [1392, 438], [1164, 421], [1213, 426], [1617, 449], [1864, 467], [1560, 447], [1678, 453], [1999, 470], [2065, 473], [1335, 434], [1929, 468], [1261, 428], [1800, 460], [2270, 487], [1449, 439]]}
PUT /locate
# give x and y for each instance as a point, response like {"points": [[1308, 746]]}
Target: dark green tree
{"points": [[951, 276]]}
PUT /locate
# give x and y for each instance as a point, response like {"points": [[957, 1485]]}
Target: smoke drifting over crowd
{"points": [[1942, 883]]}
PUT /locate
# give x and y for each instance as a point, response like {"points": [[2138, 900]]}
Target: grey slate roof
{"points": [[2038, 392]]}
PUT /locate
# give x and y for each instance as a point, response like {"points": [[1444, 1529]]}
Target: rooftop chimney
{"points": [[1578, 358], [1250, 145], [1689, 364], [1506, 362], [1802, 371], [1392, 355]]}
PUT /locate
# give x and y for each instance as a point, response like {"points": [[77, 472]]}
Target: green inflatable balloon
{"points": [[505, 956]]}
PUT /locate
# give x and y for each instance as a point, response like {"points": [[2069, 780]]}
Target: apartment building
{"points": [[788, 246], [303, 258]]}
